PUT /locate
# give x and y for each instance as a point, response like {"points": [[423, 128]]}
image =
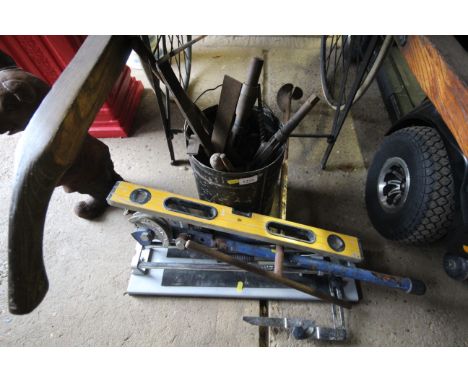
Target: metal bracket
{"points": [[142, 256], [302, 329]]}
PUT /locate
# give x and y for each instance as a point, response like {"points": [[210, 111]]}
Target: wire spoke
{"points": [[333, 78], [164, 40], [345, 93], [178, 61], [156, 52], [336, 49], [336, 60], [329, 54], [185, 61]]}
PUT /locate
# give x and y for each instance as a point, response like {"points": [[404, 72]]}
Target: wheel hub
{"points": [[393, 184]]}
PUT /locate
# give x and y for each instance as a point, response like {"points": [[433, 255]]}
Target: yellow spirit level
{"points": [[225, 219]]}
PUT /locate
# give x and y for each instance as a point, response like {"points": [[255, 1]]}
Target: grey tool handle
{"points": [[284, 132], [248, 95]]}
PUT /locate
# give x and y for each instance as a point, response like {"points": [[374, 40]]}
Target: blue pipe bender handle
{"points": [[405, 284]]}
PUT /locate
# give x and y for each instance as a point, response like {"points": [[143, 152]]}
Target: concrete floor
{"points": [[88, 263]]}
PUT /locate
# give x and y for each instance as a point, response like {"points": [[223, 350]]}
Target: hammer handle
{"points": [[261, 272], [49, 146]]}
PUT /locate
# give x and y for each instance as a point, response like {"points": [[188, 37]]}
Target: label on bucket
{"points": [[250, 179]]}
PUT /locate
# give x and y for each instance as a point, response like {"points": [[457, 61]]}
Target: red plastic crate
{"points": [[47, 56]]}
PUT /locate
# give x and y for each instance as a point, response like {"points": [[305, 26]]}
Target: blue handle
{"points": [[405, 284]]}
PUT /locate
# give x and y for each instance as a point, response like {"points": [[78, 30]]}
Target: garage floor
{"points": [[88, 263]]}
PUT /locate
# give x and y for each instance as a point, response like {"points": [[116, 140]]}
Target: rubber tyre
{"points": [[428, 211]]}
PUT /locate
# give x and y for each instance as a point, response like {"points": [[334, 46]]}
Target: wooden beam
{"points": [[440, 64], [48, 148]]}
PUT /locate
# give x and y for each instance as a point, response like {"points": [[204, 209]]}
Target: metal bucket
{"points": [[251, 191]]}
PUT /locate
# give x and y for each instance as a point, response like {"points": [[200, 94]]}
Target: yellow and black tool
{"points": [[221, 218]]}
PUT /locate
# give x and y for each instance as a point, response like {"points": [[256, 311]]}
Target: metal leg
{"points": [[326, 155], [341, 114], [166, 118], [339, 332], [142, 47]]}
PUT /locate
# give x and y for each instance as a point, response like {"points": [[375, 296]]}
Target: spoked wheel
{"points": [[181, 62], [348, 64], [337, 54]]}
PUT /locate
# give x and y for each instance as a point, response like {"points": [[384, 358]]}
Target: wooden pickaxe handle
{"points": [[48, 148]]}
